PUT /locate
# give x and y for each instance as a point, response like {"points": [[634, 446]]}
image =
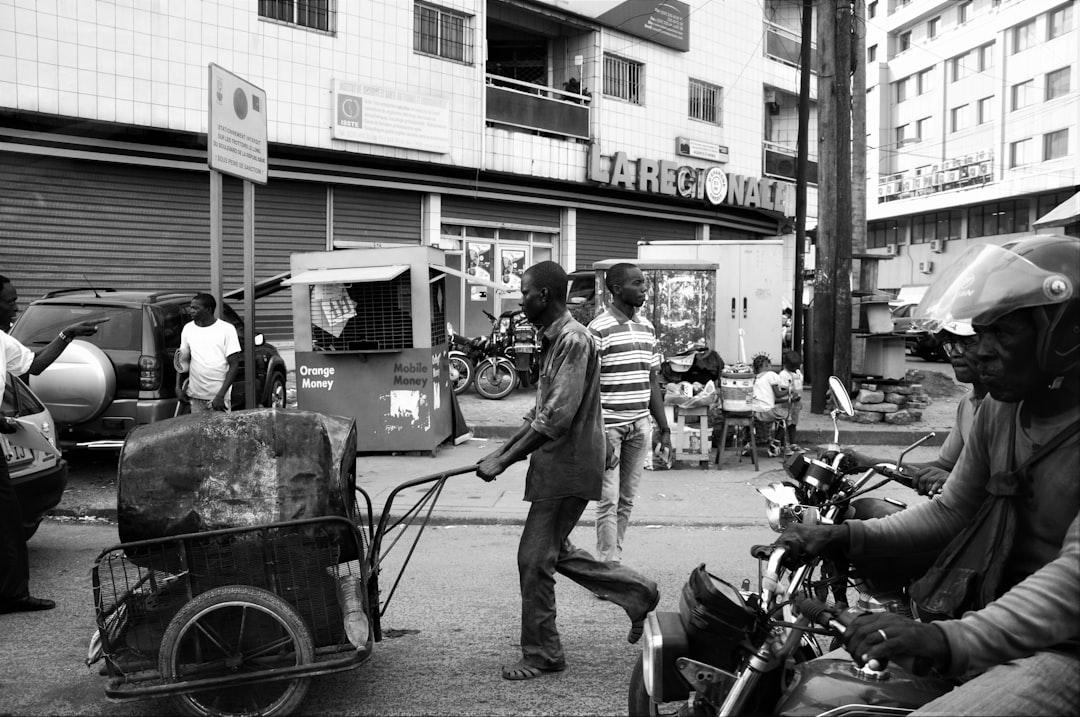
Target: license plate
{"points": [[16, 455]]}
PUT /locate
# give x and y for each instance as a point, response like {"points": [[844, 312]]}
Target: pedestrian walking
{"points": [[17, 360], [563, 436], [629, 394], [210, 352]]}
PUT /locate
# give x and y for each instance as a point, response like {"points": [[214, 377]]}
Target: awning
{"points": [[352, 275], [1064, 214]]}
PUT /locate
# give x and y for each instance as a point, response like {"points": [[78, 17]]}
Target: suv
{"points": [[918, 342], [38, 476], [123, 376]]}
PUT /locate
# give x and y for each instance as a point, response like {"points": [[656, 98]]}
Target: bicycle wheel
{"points": [[496, 379], [232, 630]]}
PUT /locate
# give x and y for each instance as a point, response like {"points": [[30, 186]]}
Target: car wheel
{"points": [[276, 397], [79, 385]]}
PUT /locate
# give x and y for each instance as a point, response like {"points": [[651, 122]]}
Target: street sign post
{"points": [[236, 145]]}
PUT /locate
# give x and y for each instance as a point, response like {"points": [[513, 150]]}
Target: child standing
{"points": [[791, 379]]}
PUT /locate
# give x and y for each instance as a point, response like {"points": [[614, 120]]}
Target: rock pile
{"points": [[898, 403]]}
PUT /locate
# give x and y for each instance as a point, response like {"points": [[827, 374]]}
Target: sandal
{"points": [[522, 670], [638, 626]]}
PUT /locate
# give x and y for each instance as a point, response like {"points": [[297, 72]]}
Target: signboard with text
{"points": [[383, 115], [236, 133]]}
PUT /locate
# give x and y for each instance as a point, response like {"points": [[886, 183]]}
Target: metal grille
{"points": [[706, 102], [368, 316], [139, 587], [442, 33], [438, 308], [316, 14], [622, 79]]}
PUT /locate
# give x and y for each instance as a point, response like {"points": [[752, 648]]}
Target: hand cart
{"points": [[202, 617]]}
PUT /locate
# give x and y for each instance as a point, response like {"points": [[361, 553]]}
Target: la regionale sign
{"points": [[712, 185]]}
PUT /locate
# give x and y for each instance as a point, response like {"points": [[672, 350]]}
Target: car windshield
{"points": [[40, 324]]}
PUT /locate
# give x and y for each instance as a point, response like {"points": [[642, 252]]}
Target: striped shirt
{"points": [[628, 354]]}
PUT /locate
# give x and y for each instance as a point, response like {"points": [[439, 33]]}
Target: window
{"points": [[623, 79], [1055, 144], [935, 225], [1022, 94], [442, 33], [901, 134], [985, 108], [314, 14], [963, 13], [871, 54], [923, 81], [900, 89], [932, 27], [1057, 83], [986, 56], [922, 128], [871, 9], [959, 67], [1004, 217], [1023, 36], [706, 102], [1020, 153], [958, 118], [904, 41], [880, 234], [1058, 21]]}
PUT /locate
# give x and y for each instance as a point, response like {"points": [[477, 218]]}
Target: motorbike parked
{"points": [[731, 651], [512, 358], [463, 355]]}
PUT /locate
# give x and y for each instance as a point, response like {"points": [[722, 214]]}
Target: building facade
{"points": [[504, 132], [973, 117]]}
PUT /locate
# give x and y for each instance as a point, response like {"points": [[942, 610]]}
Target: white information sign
{"points": [[236, 134], [384, 115]]}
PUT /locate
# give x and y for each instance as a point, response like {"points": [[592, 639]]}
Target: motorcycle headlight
{"points": [[663, 642], [781, 505]]}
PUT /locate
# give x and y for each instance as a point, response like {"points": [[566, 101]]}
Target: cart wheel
{"points": [[234, 630]]}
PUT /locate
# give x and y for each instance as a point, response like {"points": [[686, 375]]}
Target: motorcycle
{"points": [[463, 355], [731, 651], [513, 356]]}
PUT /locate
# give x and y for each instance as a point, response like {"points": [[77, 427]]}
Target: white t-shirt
{"points": [[14, 358], [764, 397], [792, 381], [208, 348]]}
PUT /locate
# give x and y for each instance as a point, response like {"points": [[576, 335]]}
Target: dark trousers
{"points": [[545, 549], [14, 563]]}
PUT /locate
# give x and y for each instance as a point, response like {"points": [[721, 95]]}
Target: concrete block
{"points": [[899, 418], [876, 407], [869, 396]]}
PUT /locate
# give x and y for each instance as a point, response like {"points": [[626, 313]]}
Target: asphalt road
{"points": [[453, 622]]}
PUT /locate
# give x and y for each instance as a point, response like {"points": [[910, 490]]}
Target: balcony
{"points": [[781, 162], [536, 108], [784, 46]]}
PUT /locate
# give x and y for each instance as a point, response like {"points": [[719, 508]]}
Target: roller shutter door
{"points": [[455, 207], [69, 223], [290, 217], [605, 235], [376, 215]]}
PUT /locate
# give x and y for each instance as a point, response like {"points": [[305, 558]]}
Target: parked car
{"points": [[918, 342], [38, 477], [123, 376], [581, 295]]}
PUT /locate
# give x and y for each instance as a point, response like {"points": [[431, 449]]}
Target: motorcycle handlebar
{"points": [[821, 614]]}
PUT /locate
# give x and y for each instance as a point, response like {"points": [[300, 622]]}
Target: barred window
{"points": [[706, 102], [623, 79], [314, 14], [442, 33]]}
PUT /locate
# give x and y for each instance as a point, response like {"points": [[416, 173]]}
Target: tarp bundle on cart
{"points": [[210, 471]]}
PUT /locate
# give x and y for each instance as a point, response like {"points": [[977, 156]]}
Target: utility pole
{"points": [[830, 346], [801, 166]]}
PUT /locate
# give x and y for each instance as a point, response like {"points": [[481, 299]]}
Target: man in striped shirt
{"points": [[629, 393]]}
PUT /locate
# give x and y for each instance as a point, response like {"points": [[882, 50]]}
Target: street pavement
{"points": [[689, 494]]}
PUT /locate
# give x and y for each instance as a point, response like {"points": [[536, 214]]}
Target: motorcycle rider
{"points": [[1017, 654]]}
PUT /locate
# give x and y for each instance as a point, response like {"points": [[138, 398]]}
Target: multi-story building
{"points": [[503, 131], [973, 120]]}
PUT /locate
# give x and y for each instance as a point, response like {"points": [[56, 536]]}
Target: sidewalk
{"points": [[708, 496]]}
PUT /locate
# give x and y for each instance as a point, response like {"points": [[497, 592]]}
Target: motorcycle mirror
{"points": [[840, 396]]}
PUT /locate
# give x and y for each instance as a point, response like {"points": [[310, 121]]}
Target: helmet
{"points": [[988, 281]]}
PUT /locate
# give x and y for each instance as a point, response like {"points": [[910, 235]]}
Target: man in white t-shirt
{"points": [[210, 351]]}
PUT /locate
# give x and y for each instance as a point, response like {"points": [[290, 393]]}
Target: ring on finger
{"points": [[884, 637]]}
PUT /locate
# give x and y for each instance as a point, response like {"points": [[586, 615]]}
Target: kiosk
{"points": [[371, 343]]}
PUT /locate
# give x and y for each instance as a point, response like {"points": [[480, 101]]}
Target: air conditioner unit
{"points": [[937, 246], [892, 249], [926, 267]]}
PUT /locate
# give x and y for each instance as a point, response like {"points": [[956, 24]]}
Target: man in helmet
{"points": [[1016, 650]]}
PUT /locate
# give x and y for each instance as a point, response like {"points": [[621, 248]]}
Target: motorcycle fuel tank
{"points": [[827, 684]]}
